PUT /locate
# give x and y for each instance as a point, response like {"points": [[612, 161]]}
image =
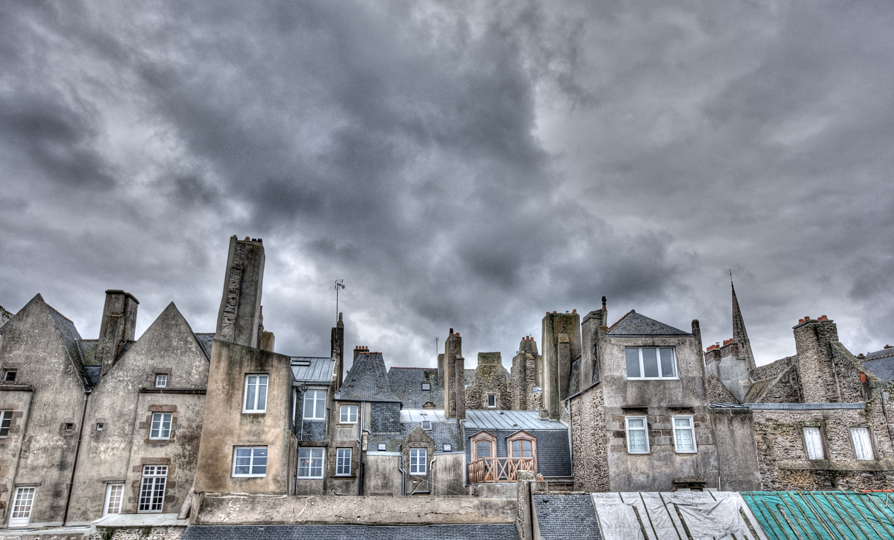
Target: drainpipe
{"points": [[431, 472], [403, 473], [360, 450], [77, 452]]}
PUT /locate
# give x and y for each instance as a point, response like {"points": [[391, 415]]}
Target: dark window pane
{"points": [[667, 363], [650, 362], [633, 363]]}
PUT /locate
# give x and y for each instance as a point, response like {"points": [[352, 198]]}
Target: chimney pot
{"points": [[451, 330], [574, 311], [800, 321], [806, 318], [862, 377]]}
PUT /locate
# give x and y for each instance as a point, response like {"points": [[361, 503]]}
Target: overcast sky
{"points": [[459, 164]]}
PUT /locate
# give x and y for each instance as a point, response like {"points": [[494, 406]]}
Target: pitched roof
{"points": [[634, 324], [312, 369], [881, 365], [566, 517], [406, 383], [355, 532], [367, 381], [205, 341], [510, 420]]}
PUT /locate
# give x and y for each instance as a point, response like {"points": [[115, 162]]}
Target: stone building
{"points": [[524, 380], [489, 388]]}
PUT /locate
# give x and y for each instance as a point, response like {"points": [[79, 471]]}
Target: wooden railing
{"points": [[498, 469]]}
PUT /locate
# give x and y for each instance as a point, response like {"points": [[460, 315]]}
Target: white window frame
{"points": [[645, 428], [251, 461], [418, 466], [20, 514], [690, 428], [5, 423], [491, 401], [642, 370], [315, 453], [161, 380], [862, 448], [160, 434], [112, 498], [154, 477], [316, 403], [381, 447], [342, 459], [261, 380], [345, 415]]}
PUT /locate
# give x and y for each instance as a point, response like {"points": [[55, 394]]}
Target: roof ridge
{"points": [[621, 319], [56, 311]]}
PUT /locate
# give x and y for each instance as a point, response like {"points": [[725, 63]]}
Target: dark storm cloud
{"points": [[463, 164]]}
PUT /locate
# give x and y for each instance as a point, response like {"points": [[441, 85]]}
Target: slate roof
{"points": [[634, 324], [880, 354], [443, 431], [351, 532], [70, 338], [566, 517], [496, 419], [367, 381], [406, 383], [205, 343], [312, 369], [881, 364]]}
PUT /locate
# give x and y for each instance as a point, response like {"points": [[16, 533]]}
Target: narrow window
{"points": [[161, 380], [250, 461], [347, 414], [491, 401], [21, 507], [417, 461], [684, 435], [814, 443], [100, 426], [426, 386], [637, 435], [255, 394], [114, 496], [310, 463], [161, 426], [862, 443], [315, 405], [5, 422], [343, 462], [9, 375], [650, 363], [152, 488], [426, 425]]}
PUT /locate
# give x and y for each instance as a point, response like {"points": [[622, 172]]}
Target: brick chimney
{"points": [[119, 321], [239, 318]]}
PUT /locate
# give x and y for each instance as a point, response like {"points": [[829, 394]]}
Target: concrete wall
{"points": [[225, 426], [733, 372], [659, 401], [239, 318], [260, 509], [381, 475], [448, 474], [736, 450], [116, 453]]}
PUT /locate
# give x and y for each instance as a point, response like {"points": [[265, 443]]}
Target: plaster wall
{"points": [[447, 474], [736, 450], [19, 402], [561, 345], [381, 476]]}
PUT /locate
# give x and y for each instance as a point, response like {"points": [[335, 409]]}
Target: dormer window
{"points": [[426, 386], [161, 380], [426, 425]]}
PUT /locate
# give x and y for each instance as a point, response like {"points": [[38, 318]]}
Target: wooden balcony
{"points": [[498, 469]]}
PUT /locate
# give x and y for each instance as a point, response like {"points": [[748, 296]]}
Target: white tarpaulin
{"points": [[708, 518]]}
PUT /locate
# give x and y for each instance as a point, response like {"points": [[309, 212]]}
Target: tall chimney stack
{"points": [[239, 318], [338, 350], [119, 321]]}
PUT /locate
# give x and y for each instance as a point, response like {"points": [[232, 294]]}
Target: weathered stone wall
{"points": [[813, 340], [785, 389], [848, 370], [239, 318], [523, 376], [561, 343], [783, 459], [490, 378], [137, 533], [717, 392], [773, 369], [589, 444], [736, 450], [267, 509]]}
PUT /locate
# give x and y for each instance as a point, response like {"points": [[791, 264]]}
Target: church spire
{"points": [[739, 332]]}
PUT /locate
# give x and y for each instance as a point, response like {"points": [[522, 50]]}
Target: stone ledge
{"points": [[848, 466]]}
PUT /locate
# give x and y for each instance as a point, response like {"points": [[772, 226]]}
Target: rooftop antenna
{"points": [[339, 285], [436, 345]]}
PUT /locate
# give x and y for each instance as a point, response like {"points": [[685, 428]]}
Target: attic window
{"points": [[9, 375], [382, 447], [448, 448], [426, 386], [161, 380], [302, 363], [426, 425], [491, 401]]}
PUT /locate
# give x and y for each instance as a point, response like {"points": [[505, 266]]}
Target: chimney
{"points": [[119, 321], [561, 346], [593, 327], [813, 341], [454, 377], [239, 318], [337, 347]]}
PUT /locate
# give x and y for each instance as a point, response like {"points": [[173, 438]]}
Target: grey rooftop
{"points": [[497, 419], [634, 324], [312, 369]]}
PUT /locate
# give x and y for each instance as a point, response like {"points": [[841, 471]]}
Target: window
{"points": [[651, 363], [492, 401], [347, 414], [114, 497], [522, 449], [862, 443], [637, 435], [5, 422], [813, 441], [315, 405], [381, 447], [417, 460], [522, 445], [426, 425], [448, 448], [161, 380], [9, 375], [484, 445], [100, 426], [342, 462], [250, 461], [310, 463], [684, 435], [426, 386], [255, 394], [152, 488], [161, 426], [21, 507]]}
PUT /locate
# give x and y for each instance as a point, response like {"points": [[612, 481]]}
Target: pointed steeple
{"points": [[739, 332]]}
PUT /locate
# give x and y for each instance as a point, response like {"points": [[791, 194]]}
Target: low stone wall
{"points": [[276, 509], [138, 533]]}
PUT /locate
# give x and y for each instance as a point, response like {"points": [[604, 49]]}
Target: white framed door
{"points": [[114, 497], [21, 507]]}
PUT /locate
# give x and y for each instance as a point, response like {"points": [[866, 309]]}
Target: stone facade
{"points": [[490, 387], [523, 377], [589, 446]]}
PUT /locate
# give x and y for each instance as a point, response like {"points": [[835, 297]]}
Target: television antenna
{"points": [[339, 285]]}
